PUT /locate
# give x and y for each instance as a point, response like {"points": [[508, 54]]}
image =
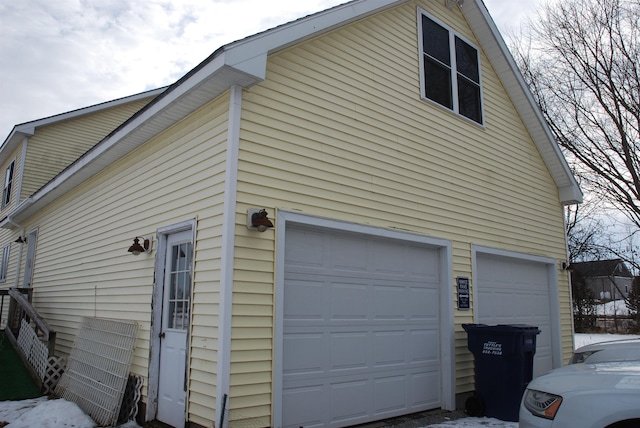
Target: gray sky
{"points": [[59, 55]]}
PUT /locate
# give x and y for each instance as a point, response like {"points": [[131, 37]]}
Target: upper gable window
{"points": [[8, 182], [451, 70]]}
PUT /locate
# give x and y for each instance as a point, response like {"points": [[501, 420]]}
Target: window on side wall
{"points": [[450, 70], [5, 263], [8, 182]]}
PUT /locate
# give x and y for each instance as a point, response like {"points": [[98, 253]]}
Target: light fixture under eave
{"points": [[450, 3], [257, 219], [137, 248], [21, 240]]}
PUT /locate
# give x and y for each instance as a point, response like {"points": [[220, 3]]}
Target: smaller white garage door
{"points": [[516, 291], [360, 328]]}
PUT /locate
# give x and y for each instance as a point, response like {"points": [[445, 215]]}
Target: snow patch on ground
{"points": [[615, 307], [53, 414]]}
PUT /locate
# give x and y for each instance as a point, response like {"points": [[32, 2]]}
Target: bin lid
{"points": [[501, 328]]}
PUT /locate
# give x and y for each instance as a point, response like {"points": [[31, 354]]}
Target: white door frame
{"points": [[552, 279], [29, 263], [447, 351], [156, 313]]}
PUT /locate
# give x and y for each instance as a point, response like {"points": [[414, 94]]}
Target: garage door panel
{"points": [[304, 354], [423, 347], [349, 350], [349, 301], [307, 406], [351, 400], [311, 292], [424, 304], [390, 394], [361, 329], [307, 250], [385, 348]]}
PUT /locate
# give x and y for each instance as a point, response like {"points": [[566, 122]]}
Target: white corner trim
{"points": [[223, 374]]}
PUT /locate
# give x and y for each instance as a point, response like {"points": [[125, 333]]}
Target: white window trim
{"points": [[454, 68], [11, 165]]}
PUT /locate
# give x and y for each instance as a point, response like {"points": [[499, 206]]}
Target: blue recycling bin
{"points": [[504, 366]]}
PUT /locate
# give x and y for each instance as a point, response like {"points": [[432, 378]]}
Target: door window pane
{"points": [[179, 297]]}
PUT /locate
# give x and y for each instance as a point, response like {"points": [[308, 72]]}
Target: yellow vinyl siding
{"points": [[338, 129], [54, 147], [82, 264]]}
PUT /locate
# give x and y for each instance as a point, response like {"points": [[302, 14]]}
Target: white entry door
{"points": [[31, 254], [176, 305]]}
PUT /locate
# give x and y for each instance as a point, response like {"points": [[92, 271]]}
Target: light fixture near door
{"points": [[137, 248], [258, 219]]}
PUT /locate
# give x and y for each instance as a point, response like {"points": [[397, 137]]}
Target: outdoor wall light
{"points": [[136, 248], [257, 219], [450, 3], [21, 240]]}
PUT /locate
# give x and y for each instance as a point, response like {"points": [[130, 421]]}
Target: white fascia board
{"points": [[29, 128], [246, 53], [496, 49]]}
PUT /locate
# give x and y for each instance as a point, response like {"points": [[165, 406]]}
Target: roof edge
{"points": [[28, 128]]}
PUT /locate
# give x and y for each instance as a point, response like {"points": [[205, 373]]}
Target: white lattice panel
{"points": [[36, 351], [54, 371], [98, 368]]}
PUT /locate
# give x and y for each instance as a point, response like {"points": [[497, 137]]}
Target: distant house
{"points": [[411, 182], [607, 279]]}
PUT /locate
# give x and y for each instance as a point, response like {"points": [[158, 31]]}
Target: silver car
{"points": [[599, 389]]}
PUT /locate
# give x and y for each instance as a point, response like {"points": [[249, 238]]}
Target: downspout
{"points": [[566, 246], [223, 374]]}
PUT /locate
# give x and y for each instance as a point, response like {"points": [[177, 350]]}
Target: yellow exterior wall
{"points": [[82, 267], [338, 130], [54, 147]]}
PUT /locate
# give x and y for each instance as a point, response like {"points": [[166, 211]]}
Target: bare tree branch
{"points": [[582, 63]]}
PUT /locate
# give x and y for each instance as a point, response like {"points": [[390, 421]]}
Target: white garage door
{"points": [[360, 328], [516, 291]]}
